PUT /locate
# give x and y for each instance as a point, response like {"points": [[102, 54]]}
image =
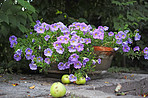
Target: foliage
{"points": [[13, 20]]}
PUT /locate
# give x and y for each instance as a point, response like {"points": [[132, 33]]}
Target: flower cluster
{"points": [[70, 46]]}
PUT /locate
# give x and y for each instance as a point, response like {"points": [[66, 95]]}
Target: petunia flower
{"points": [[39, 59], [72, 78], [12, 38], [60, 50], [29, 51], [137, 37], [71, 48], [136, 48], [48, 52], [47, 60], [57, 44], [46, 37], [87, 40], [80, 47], [77, 64], [61, 66], [74, 57], [40, 29], [99, 61], [28, 56], [17, 57], [111, 33], [126, 48], [145, 50], [33, 66]]}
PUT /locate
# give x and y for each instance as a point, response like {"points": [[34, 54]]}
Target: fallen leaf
{"points": [[23, 78], [106, 82], [125, 77], [15, 84], [1, 76], [32, 87], [118, 88]]}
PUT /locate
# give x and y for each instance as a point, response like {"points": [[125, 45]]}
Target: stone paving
{"points": [[102, 87]]}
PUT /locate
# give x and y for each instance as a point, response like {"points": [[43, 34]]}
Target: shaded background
{"points": [[113, 13]]}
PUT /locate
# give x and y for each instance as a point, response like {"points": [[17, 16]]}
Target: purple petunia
{"points": [[137, 37], [93, 62], [87, 40], [85, 60], [28, 56], [130, 41], [119, 41], [117, 36], [17, 57], [136, 48], [65, 39], [126, 48], [67, 65], [39, 59], [74, 57], [60, 50], [33, 66], [54, 27], [73, 41], [47, 60], [12, 38], [19, 51], [72, 78], [145, 50], [98, 34], [72, 48], [57, 44], [126, 31], [116, 48], [77, 64], [46, 37], [105, 28], [13, 44], [61, 66], [82, 40], [40, 29], [83, 27], [146, 56], [99, 61], [111, 33], [29, 51], [80, 47], [48, 52]]}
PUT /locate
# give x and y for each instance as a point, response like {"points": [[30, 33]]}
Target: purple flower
{"points": [[57, 44], [60, 50], [29, 51], [73, 41], [117, 36], [46, 37], [72, 48], [54, 27], [83, 27], [130, 41], [137, 36], [82, 40], [76, 37], [65, 39], [94, 62], [126, 48], [77, 25], [39, 59], [87, 78], [61, 66], [116, 48], [32, 57], [38, 22], [60, 39], [99, 61], [47, 60], [98, 34], [19, 51], [66, 33], [85, 60], [80, 47], [28, 56], [73, 32], [45, 25], [136, 48], [105, 28], [48, 52], [87, 40], [33, 66], [67, 65], [72, 78], [123, 35], [145, 50], [77, 64], [119, 41], [40, 29], [13, 44], [74, 57], [12, 38], [146, 56], [33, 40], [17, 57], [126, 31], [39, 47], [125, 43], [64, 29], [111, 33]]}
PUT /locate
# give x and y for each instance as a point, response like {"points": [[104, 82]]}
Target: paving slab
{"points": [[102, 87]]}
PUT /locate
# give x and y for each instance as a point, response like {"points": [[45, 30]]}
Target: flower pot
{"points": [[106, 55]]}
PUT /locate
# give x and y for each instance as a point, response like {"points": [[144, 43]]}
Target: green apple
{"points": [[65, 79], [57, 89], [81, 80]]}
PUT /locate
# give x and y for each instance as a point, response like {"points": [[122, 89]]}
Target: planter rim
{"points": [[103, 48]]}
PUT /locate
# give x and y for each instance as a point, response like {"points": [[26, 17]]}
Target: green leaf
{"points": [[22, 28], [82, 20], [12, 20], [4, 17], [26, 5]]}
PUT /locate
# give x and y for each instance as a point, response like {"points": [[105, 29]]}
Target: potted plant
{"points": [[70, 48]]}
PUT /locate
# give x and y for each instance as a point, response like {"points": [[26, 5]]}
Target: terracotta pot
{"points": [[106, 55]]}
